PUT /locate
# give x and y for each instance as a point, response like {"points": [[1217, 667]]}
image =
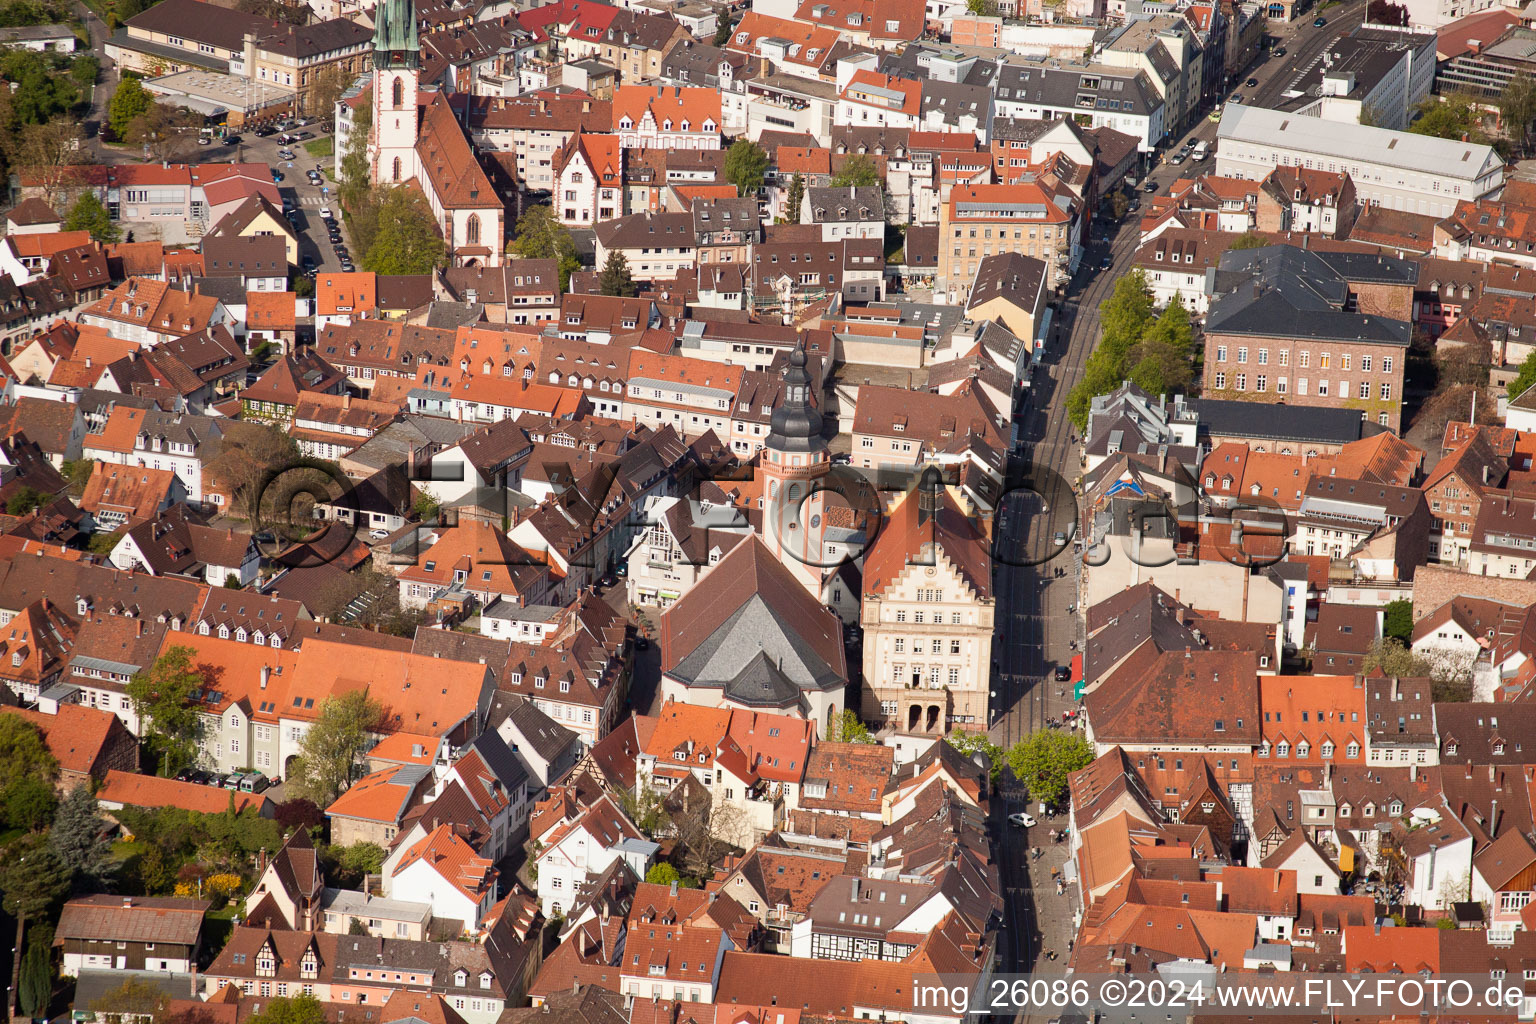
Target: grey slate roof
{"points": [[845, 205], [1053, 84], [548, 738], [754, 630], [1284, 291], [761, 683], [1227, 417]]}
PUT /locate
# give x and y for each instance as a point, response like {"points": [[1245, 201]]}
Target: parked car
{"points": [[254, 783], [1278, 51], [1023, 819], [377, 534], [232, 780], [1252, 83], [1176, 159], [1149, 187], [347, 267], [325, 214], [204, 140], [264, 132], [303, 136], [277, 175], [1319, 22], [1063, 673]]}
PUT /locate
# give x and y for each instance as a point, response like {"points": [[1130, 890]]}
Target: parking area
{"points": [[245, 782], [303, 181]]}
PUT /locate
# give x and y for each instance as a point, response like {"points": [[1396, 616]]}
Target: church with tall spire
{"points": [[791, 468], [416, 140]]}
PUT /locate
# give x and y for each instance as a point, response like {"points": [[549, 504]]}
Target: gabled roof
{"points": [[147, 919], [750, 602], [919, 535]]}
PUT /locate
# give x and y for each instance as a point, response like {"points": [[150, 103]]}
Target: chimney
{"points": [[266, 675], [674, 890]]}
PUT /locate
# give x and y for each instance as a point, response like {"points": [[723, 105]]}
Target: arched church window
{"points": [[397, 163], [472, 229], [399, 93]]}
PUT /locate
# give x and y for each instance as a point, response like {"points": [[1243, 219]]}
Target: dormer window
{"points": [[460, 977], [485, 979]]}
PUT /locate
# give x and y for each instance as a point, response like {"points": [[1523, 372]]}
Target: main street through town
{"points": [[1037, 625]]}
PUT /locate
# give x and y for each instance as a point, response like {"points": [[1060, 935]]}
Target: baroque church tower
{"points": [[792, 463], [396, 77]]}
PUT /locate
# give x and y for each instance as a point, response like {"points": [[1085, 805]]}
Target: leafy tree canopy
{"points": [[162, 697], [846, 728], [745, 164], [540, 236], [406, 239], [88, 214], [331, 753], [857, 171], [1044, 760], [615, 279], [1154, 351]]}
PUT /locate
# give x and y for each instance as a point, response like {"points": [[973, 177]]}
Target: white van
{"points": [[1201, 149]]}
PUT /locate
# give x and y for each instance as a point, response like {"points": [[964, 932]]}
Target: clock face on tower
{"points": [[397, 57]]}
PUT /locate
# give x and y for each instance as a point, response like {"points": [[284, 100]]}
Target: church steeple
{"points": [[395, 42], [796, 425]]}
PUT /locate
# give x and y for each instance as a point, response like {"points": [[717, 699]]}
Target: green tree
{"points": [[129, 102], [162, 698], [662, 873], [1162, 360], [1044, 760], [78, 473], [1123, 318], [331, 753], [745, 165], [981, 8], [29, 803], [88, 214], [133, 1000], [1248, 240], [858, 171], [300, 1009], [615, 279], [361, 858], [968, 743], [1524, 378], [846, 728], [85, 69], [1397, 620], [1456, 116], [25, 500], [426, 507], [540, 236], [1517, 109], [79, 837], [406, 241], [795, 199], [24, 752], [32, 877], [723, 27], [354, 162], [36, 981]]}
